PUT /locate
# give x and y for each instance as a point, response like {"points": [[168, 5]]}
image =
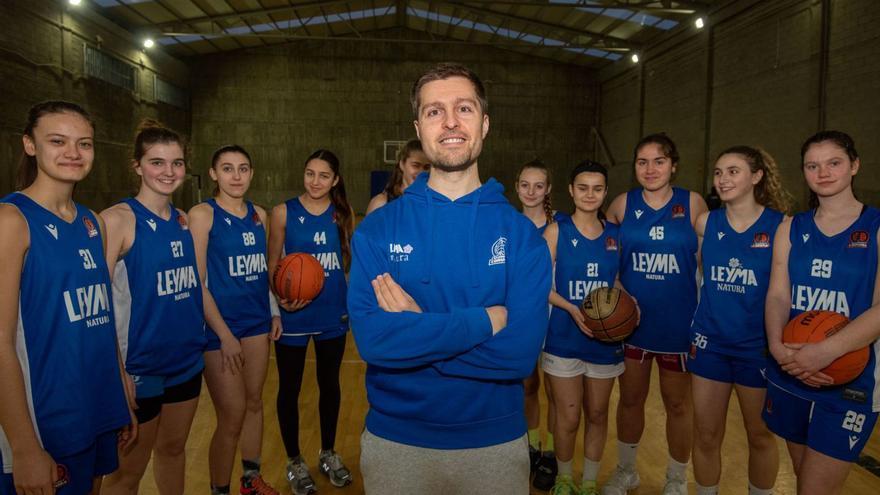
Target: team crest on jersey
{"points": [[769, 407], [256, 219], [858, 239], [610, 244], [761, 240], [90, 227], [677, 211], [52, 230], [638, 214], [498, 254], [182, 222], [152, 224]]}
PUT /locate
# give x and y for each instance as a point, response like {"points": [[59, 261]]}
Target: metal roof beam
{"points": [[609, 41], [251, 13], [682, 7]]}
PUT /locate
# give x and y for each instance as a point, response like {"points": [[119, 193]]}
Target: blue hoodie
{"points": [[440, 379]]}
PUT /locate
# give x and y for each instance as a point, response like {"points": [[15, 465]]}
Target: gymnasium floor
{"points": [[652, 453]]}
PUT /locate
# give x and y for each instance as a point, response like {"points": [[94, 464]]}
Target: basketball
{"points": [[816, 326], [610, 313], [298, 276]]}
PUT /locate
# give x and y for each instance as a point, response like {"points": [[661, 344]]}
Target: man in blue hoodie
{"points": [[448, 306]]}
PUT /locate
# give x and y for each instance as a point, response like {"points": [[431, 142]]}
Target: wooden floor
{"points": [[652, 453]]}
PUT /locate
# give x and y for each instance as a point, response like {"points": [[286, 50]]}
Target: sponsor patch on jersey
{"points": [[761, 240], [854, 395], [182, 221], [677, 211], [858, 239], [610, 244], [90, 227], [256, 219]]}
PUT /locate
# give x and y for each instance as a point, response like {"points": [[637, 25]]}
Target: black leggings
{"points": [[291, 362]]}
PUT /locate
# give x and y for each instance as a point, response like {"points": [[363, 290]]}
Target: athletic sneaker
{"points": [[545, 475], [621, 481], [256, 485], [331, 464], [564, 485], [588, 488], [534, 457], [675, 485], [301, 483]]}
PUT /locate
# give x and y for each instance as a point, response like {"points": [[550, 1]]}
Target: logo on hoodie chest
{"points": [[398, 253], [498, 254]]}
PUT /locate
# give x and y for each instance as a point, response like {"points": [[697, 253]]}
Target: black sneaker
{"points": [[545, 475], [534, 457]]}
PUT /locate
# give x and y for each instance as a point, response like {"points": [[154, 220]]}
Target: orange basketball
{"points": [[816, 326], [298, 276], [610, 313]]}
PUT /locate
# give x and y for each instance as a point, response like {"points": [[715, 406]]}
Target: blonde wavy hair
{"points": [[769, 191]]}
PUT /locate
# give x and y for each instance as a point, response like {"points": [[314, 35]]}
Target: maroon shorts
{"points": [[671, 361]]}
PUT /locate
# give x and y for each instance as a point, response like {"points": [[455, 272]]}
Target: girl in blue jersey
{"points": [[160, 321], [533, 186], [658, 267], [61, 380], [728, 342], [411, 161], [580, 368], [230, 241], [318, 222], [825, 259]]}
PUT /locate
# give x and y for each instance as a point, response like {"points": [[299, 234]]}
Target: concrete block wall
{"points": [[754, 79], [281, 103], [41, 58]]}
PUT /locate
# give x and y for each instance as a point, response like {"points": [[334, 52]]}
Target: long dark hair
{"points": [[769, 191], [342, 214], [229, 148], [537, 164], [839, 138], [394, 188], [594, 167], [27, 164]]}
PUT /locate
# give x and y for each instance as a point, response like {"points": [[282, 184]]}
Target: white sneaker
{"points": [[621, 481], [675, 485]]}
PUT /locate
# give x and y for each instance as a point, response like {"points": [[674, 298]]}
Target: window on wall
{"points": [[105, 67], [171, 94]]}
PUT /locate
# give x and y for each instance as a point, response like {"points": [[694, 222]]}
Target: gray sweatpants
{"points": [[391, 468]]}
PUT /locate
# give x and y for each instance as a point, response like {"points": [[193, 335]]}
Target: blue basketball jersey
{"points": [[658, 266], [736, 274], [582, 265], [326, 316], [158, 297], [65, 341], [558, 216], [834, 273], [236, 268]]}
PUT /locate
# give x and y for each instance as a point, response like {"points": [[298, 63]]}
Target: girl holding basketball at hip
{"points": [[160, 325], [411, 161], [658, 267], [61, 381], [319, 222], [728, 342], [825, 259], [580, 368], [533, 189], [230, 242]]}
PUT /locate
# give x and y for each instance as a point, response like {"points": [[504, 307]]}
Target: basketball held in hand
{"points": [[816, 326], [298, 276], [610, 313]]}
